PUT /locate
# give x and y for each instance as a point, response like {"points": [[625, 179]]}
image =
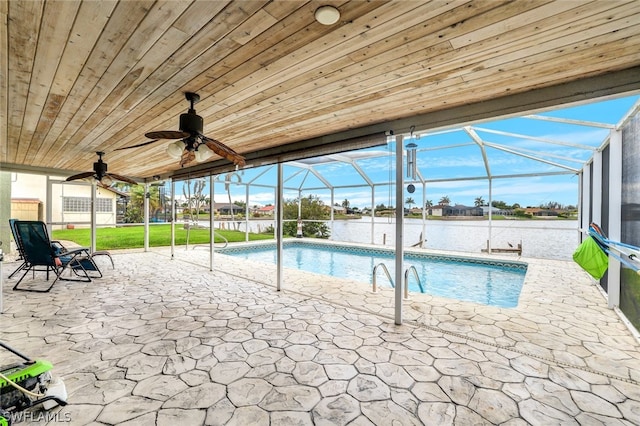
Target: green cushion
{"points": [[591, 258]]}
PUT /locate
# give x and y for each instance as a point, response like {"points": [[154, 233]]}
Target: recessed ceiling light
{"points": [[327, 15]]}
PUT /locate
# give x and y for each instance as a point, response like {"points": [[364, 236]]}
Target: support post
{"points": [[596, 212], [246, 212], [94, 216], [212, 230], [279, 219], [490, 215], [373, 213], [332, 210], [399, 229], [49, 204], [585, 205], [146, 216], [423, 235], [173, 218], [615, 214]]}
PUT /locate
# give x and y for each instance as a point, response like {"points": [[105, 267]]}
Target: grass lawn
{"points": [[159, 236]]}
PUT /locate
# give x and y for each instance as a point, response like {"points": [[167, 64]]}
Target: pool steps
{"points": [[406, 278]]}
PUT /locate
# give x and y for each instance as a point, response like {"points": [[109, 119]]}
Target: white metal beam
{"points": [[310, 168], [531, 157], [570, 121], [535, 138], [354, 164], [534, 153], [480, 144]]}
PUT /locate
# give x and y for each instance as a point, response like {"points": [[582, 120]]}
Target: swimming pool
{"points": [[494, 283]]}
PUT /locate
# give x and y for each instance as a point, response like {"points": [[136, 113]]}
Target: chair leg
{"points": [[75, 265], [15, 287], [78, 265], [104, 253], [18, 269]]}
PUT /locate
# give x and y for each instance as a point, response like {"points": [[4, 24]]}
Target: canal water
{"points": [[542, 238]]}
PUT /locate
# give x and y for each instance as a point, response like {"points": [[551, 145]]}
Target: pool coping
{"points": [[481, 258]]}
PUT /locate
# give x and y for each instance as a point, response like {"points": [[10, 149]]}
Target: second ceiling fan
{"points": [[194, 145]]}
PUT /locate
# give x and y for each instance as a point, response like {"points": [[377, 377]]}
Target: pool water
{"points": [[468, 279]]}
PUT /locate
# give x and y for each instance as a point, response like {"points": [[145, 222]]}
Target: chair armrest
{"points": [[77, 251], [58, 248]]}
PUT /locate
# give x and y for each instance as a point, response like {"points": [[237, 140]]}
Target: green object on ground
{"points": [[591, 258], [21, 372]]}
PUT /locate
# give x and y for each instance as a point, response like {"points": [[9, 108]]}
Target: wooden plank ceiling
{"points": [[85, 76]]}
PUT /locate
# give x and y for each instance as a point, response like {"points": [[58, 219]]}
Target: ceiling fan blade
{"points": [[122, 178], [224, 151], [167, 134], [187, 157], [136, 146], [80, 176]]}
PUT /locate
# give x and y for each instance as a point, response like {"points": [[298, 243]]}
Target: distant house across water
{"points": [[456, 210], [264, 211], [535, 211], [497, 211]]}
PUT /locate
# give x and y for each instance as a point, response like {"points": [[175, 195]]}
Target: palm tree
{"points": [[479, 202], [227, 186], [194, 199], [345, 203], [135, 207], [410, 202], [444, 200], [427, 206]]}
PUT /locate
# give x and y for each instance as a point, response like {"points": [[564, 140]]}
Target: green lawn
{"points": [[159, 236]]}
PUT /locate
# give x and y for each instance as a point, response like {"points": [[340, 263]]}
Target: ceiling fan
{"points": [[100, 173], [193, 144]]}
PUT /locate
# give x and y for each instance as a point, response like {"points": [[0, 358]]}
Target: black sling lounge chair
{"points": [[40, 255], [12, 223]]}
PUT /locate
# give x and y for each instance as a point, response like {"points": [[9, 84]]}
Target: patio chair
{"points": [[20, 255], [58, 247], [41, 255]]}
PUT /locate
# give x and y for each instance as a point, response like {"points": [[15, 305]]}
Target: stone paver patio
{"points": [[160, 341]]}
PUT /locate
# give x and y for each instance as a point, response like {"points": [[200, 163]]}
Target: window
{"points": [[83, 205]]}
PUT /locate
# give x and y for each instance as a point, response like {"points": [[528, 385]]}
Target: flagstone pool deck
{"points": [[160, 341]]}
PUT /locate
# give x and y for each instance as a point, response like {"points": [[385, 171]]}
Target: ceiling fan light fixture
{"points": [[175, 149], [203, 152], [106, 181], [327, 15]]}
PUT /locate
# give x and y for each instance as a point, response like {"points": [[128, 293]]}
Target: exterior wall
{"points": [[630, 226], [80, 219], [29, 186], [25, 185], [27, 209]]}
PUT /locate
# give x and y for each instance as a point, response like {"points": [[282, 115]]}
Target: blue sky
{"points": [[444, 158]]}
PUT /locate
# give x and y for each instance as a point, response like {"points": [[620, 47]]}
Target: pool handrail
{"points": [[386, 271], [226, 242], [406, 280]]}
